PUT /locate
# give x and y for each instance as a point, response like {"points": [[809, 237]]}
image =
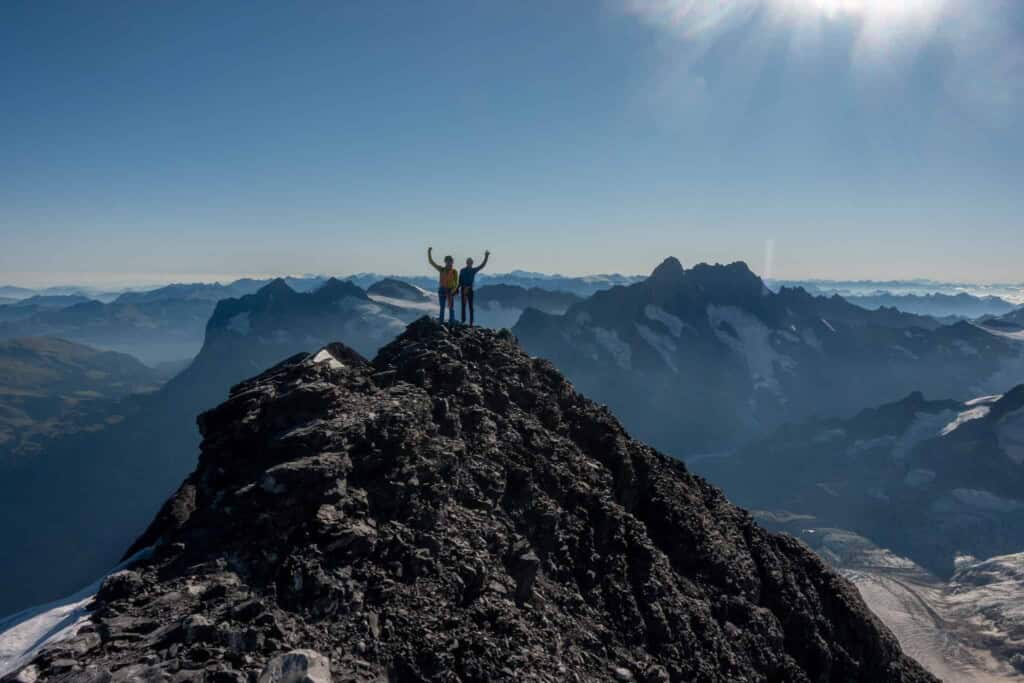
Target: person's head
{"points": [[469, 262], [449, 261]]}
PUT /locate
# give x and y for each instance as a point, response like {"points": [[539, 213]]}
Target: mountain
{"points": [[213, 292], [921, 288], [248, 334], [390, 288], [16, 293], [699, 360], [51, 388], [951, 472], [454, 510], [1010, 324], [26, 308], [938, 305], [153, 331], [88, 494]]}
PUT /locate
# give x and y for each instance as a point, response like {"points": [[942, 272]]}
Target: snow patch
{"points": [[674, 324], [965, 417], [828, 325], [986, 500], [664, 345], [754, 345], [983, 400], [24, 634], [424, 306], [618, 349], [905, 351], [965, 348], [324, 356], [919, 478]]}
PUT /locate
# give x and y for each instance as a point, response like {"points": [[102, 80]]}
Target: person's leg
{"points": [[472, 310], [451, 307], [463, 299], [441, 294]]}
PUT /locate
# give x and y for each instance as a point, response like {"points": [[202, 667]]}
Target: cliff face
{"points": [[455, 511]]}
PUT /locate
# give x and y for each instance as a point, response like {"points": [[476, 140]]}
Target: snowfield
{"points": [[25, 633], [968, 629]]}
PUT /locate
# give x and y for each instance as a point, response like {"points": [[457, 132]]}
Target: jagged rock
{"points": [[515, 533], [297, 666]]}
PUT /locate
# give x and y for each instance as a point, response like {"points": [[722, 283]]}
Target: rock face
{"points": [[704, 359], [456, 511], [951, 472]]}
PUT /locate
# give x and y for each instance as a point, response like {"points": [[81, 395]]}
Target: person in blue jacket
{"points": [[466, 277]]}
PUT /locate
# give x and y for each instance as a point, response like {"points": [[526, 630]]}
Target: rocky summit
{"points": [[455, 511]]}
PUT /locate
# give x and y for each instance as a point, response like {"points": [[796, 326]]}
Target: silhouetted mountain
{"points": [[700, 359], [86, 496], [455, 511], [50, 388]]}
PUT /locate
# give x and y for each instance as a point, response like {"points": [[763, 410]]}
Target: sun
{"points": [[873, 10]]}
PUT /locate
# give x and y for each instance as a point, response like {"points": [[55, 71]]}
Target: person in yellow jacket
{"points": [[447, 285]]}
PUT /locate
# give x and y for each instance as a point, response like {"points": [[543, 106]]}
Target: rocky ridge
{"points": [[456, 511]]}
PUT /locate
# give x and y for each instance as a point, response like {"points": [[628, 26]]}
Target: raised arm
{"points": [[430, 257], [483, 264]]}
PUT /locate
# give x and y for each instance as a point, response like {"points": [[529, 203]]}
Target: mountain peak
{"points": [[669, 270], [335, 289], [455, 510], [276, 286]]}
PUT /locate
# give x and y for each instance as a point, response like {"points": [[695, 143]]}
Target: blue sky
{"points": [[811, 138]]}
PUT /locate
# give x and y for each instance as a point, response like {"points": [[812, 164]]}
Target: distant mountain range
{"points": [[153, 331], [88, 494], [1011, 292], [964, 306], [702, 359]]}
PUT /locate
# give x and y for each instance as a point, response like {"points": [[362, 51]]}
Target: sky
{"points": [[166, 141]]}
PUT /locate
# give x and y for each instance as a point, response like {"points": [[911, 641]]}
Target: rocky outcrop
{"points": [[456, 511]]}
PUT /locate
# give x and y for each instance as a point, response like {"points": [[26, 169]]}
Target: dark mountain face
{"points": [[88, 494], [50, 388], [391, 288], [454, 510], [521, 298], [701, 359], [951, 473]]}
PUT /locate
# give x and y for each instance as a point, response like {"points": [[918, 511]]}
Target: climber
{"points": [[466, 277], [448, 284]]}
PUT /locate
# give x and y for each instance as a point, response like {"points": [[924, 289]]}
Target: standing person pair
{"points": [[451, 282]]}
